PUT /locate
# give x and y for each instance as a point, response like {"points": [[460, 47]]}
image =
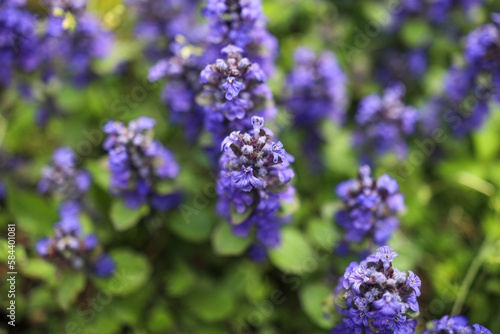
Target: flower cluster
{"points": [[158, 22], [63, 178], [70, 248], [17, 39], [394, 65], [315, 91], [182, 73], [384, 123], [73, 38], [241, 23], [434, 11], [370, 207], [139, 165], [468, 89], [316, 88], [234, 90], [378, 297], [455, 325], [253, 183]]}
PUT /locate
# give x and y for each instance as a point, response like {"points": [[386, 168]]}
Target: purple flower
{"points": [[233, 92], [242, 25], [455, 325], [138, 163], [68, 248], [370, 207], [252, 184], [232, 87], [376, 298], [245, 179], [384, 123], [62, 178], [104, 266]]}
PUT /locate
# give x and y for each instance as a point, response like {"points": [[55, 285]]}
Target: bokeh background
{"points": [[189, 275]]}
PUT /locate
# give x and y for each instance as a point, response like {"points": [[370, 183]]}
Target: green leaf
{"points": [[225, 243], [295, 255], [321, 233], [99, 171], [68, 288], [132, 272], [180, 280], [191, 224], [312, 298], [211, 305], [32, 213], [40, 269], [160, 320], [123, 217]]}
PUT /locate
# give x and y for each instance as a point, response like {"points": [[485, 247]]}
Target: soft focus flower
{"points": [[370, 207], [69, 248], [138, 164], [455, 325], [62, 177], [384, 123], [251, 184]]}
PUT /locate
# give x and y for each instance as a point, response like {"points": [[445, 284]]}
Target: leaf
{"points": [[123, 217], [160, 319], [132, 272], [295, 254], [32, 213], [180, 280], [312, 298], [40, 269], [99, 171], [225, 243], [211, 305], [321, 233], [191, 224], [68, 288]]}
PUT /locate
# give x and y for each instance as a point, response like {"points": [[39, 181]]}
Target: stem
{"points": [[469, 277]]}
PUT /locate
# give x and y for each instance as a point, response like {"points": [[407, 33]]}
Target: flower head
{"points": [[370, 209], [377, 297], [138, 164], [455, 325], [253, 185]]}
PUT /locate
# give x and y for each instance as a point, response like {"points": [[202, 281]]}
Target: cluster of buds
{"points": [[139, 165], [234, 90], [253, 182], [376, 297]]}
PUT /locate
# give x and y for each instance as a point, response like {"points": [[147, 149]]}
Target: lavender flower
{"points": [[370, 207], [17, 40], [407, 67], [73, 37], [436, 12], [68, 248], [470, 88], [315, 90], [182, 73], [384, 122], [62, 177], [139, 164], [455, 325], [158, 22], [241, 23], [253, 182], [234, 90], [378, 297]]}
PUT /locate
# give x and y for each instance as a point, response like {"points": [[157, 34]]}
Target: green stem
{"points": [[469, 277]]}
